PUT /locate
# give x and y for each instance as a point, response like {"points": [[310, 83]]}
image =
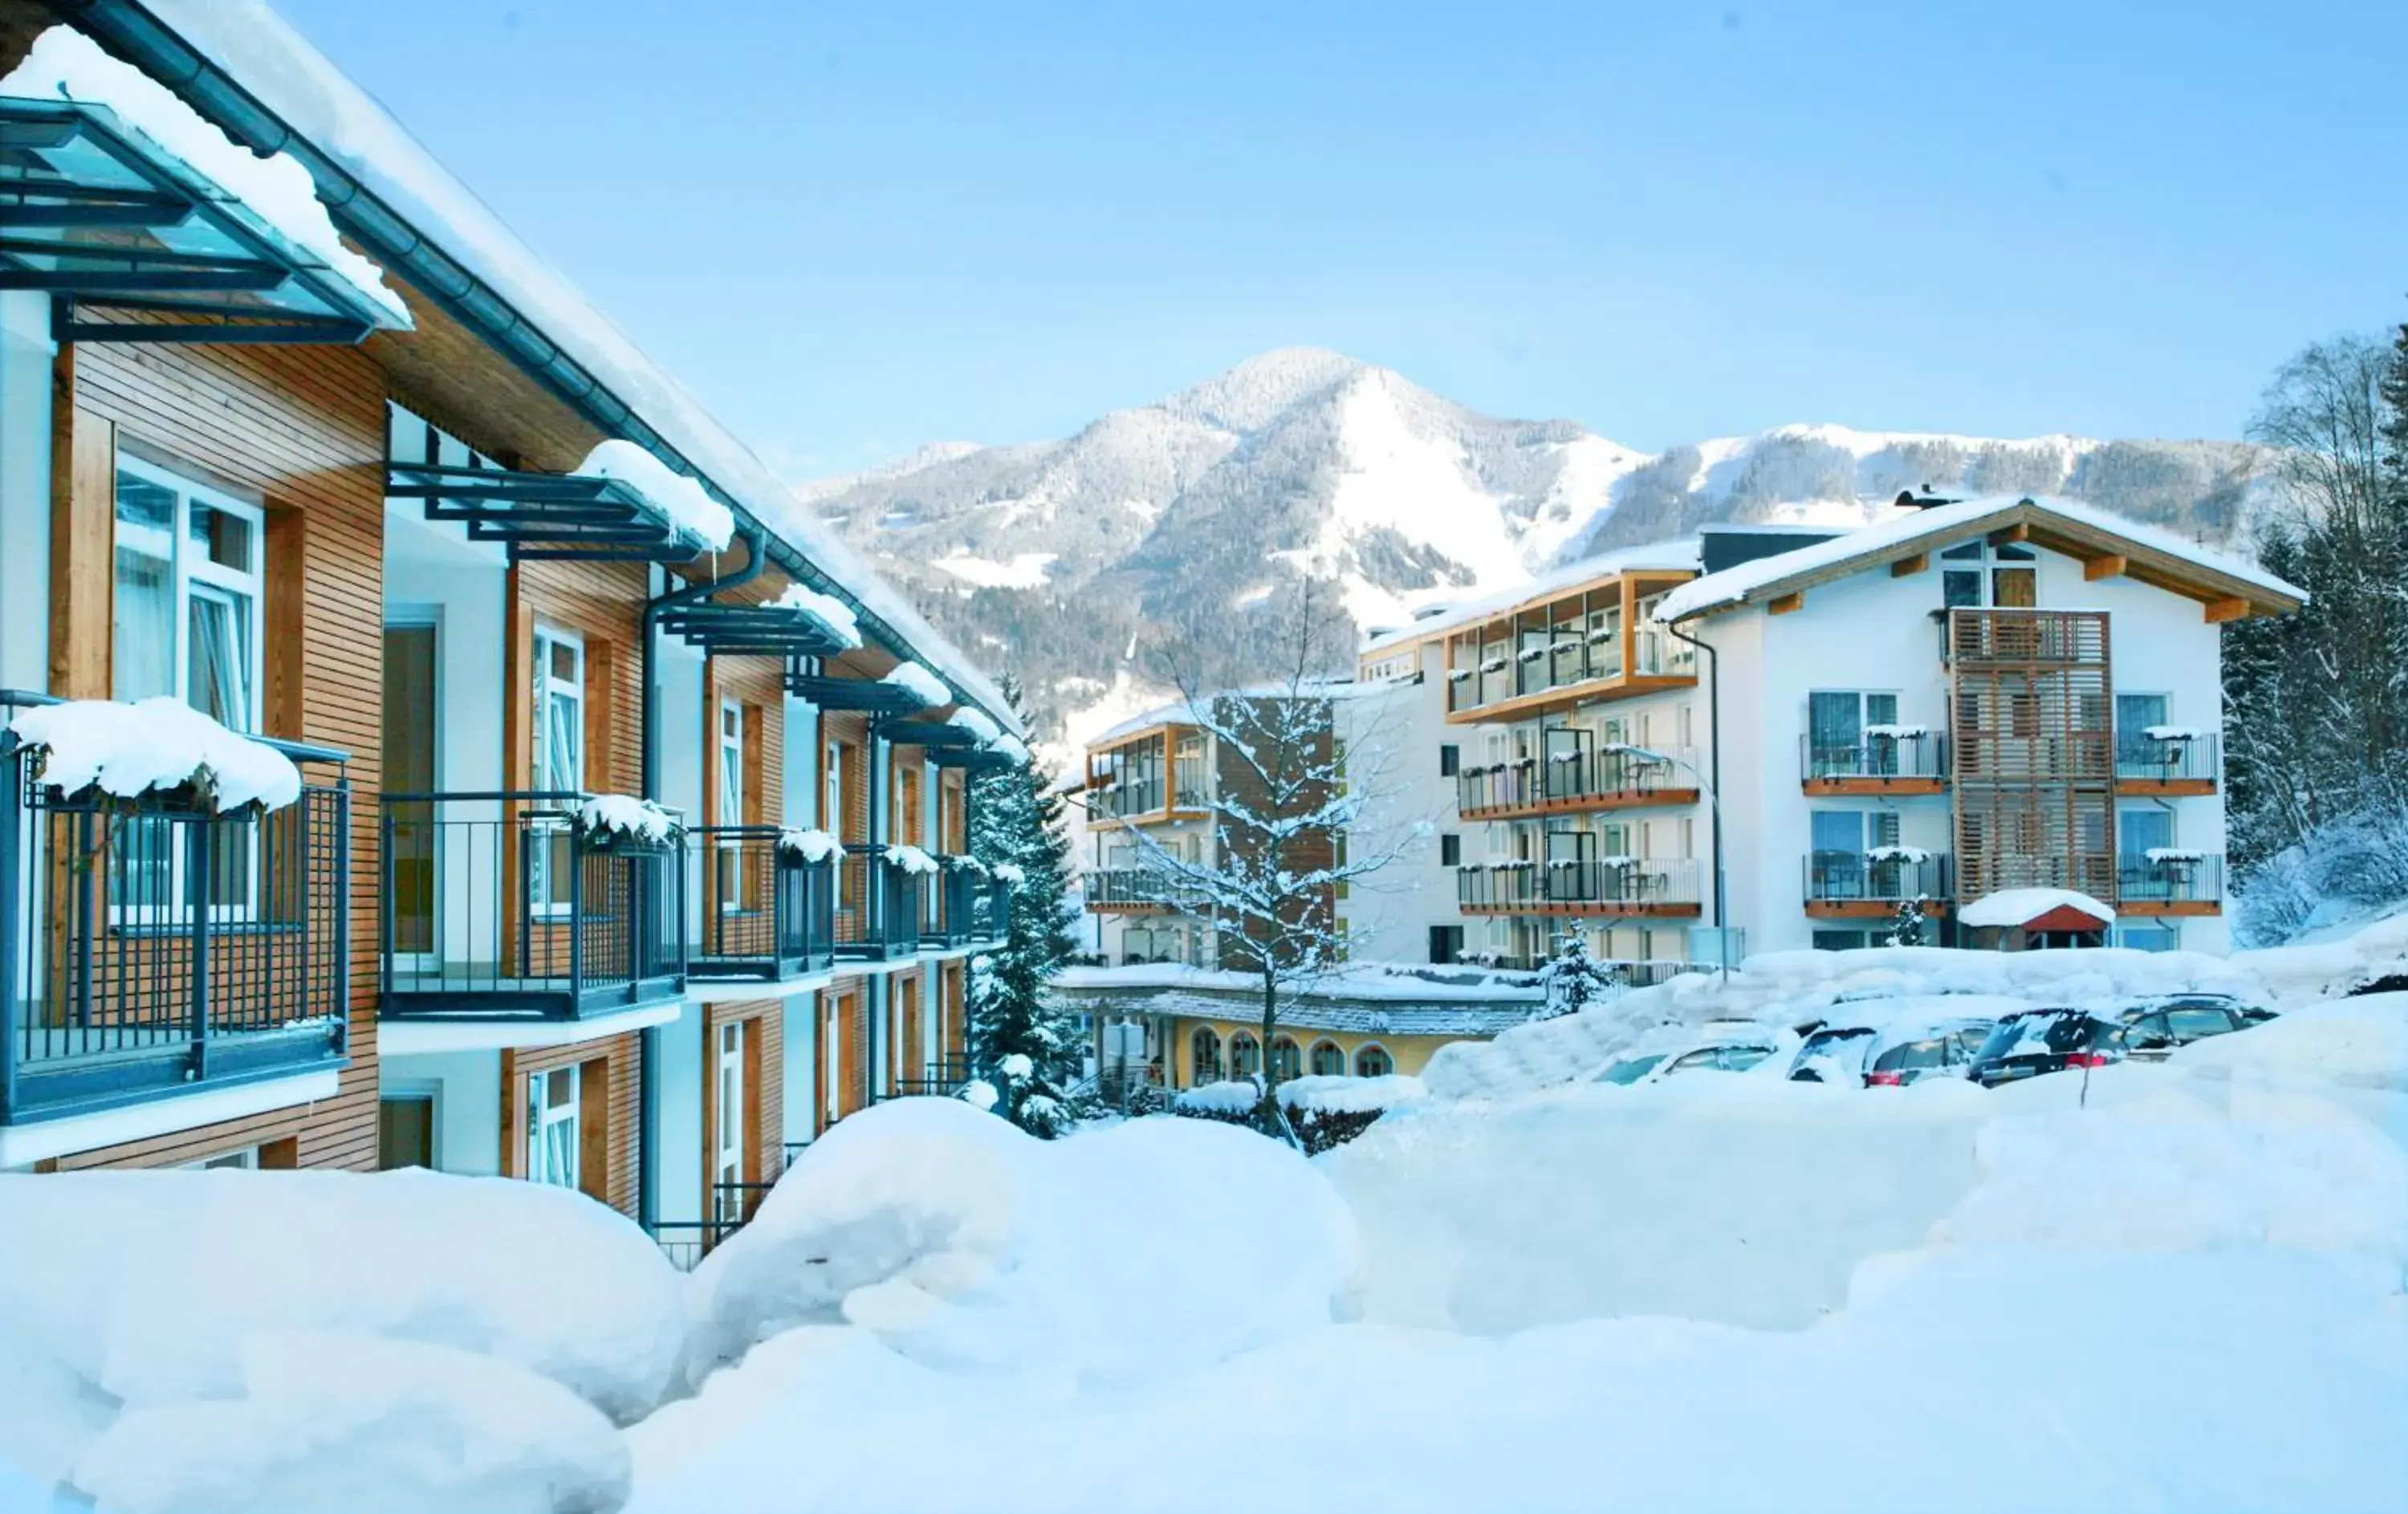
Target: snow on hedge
{"points": [[624, 814], [1229, 1096], [919, 684], [1010, 873], [682, 501], [808, 844], [830, 612], [334, 1422], [64, 64], [970, 1245], [1341, 1095], [129, 750]]}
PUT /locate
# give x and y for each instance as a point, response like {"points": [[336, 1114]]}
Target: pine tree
{"points": [[1021, 1046], [1906, 926], [1574, 980]]}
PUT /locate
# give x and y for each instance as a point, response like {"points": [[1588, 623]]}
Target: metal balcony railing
{"points": [[766, 911], [1141, 888], [1577, 775], [1604, 887], [966, 906], [499, 905], [2142, 756], [1873, 757], [879, 904], [2171, 878], [1860, 878], [152, 947]]}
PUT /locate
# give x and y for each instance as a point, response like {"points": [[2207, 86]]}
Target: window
{"points": [[1327, 1060], [2010, 587], [1837, 940], [1449, 761], [405, 1130], [183, 624], [2140, 831], [240, 1160], [727, 1136], [832, 816], [1245, 1055], [1204, 1056], [1373, 1061], [559, 760], [1450, 851], [1445, 945], [1287, 1059], [731, 802], [554, 1143], [1835, 733], [2134, 715], [2147, 935]]}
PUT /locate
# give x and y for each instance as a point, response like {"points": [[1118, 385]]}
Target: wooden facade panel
{"points": [[765, 1091], [301, 430]]}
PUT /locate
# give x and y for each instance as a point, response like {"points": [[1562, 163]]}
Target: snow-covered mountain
{"points": [[1196, 510]]}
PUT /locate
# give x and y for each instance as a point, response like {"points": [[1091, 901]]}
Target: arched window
{"points": [[1373, 1061], [1327, 1060], [1287, 1059], [1245, 1055], [1204, 1049]]}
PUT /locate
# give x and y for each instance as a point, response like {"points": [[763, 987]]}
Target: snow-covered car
{"points": [[2153, 1028], [2046, 1040], [1736, 1047]]}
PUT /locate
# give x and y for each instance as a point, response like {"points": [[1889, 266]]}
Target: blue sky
{"points": [[854, 228]]}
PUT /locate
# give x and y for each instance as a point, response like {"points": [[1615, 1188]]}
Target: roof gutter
{"points": [[125, 28]]}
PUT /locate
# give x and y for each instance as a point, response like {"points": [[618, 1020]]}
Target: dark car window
{"points": [[1740, 1058], [1912, 1056], [1969, 1040], [2146, 1027], [1692, 1061], [2057, 1034], [2191, 1024], [1631, 1070]]}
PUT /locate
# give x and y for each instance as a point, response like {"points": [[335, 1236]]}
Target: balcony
{"points": [[2170, 883], [964, 906], [767, 914], [499, 906], [1911, 762], [152, 949], [878, 905], [1614, 886], [1572, 781], [1565, 663], [2164, 762], [1873, 884], [1138, 891]]}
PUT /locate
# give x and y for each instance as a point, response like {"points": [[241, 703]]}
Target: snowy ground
{"points": [[2182, 1289]]}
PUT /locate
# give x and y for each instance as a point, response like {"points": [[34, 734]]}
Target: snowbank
{"points": [[810, 846], [330, 1421], [2362, 1042], [919, 684], [831, 612], [2323, 969], [971, 1246], [147, 1286], [128, 750], [64, 64], [623, 814], [675, 497]]}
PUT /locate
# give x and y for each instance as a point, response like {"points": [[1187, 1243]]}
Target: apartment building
{"points": [[1965, 701], [630, 849]]}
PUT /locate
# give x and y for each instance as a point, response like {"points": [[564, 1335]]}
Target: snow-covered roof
{"points": [[262, 53], [672, 496], [919, 683], [1679, 556], [1364, 982], [2010, 907], [1946, 525]]}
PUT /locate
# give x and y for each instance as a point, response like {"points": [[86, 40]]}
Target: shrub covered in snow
{"points": [[1324, 1112], [126, 751]]}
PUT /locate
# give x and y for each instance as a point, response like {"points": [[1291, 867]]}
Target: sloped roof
{"points": [[2152, 555]]}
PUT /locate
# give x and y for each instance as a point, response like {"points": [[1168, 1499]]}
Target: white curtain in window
{"points": [[143, 647], [220, 660]]}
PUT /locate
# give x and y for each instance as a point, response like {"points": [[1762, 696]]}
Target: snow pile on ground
{"points": [[919, 684], [970, 1245], [679, 500], [831, 612], [808, 844], [64, 64], [624, 814], [1340, 1095], [2326, 969], [1229, 1096], [151, 1294], [2361, 1041], [1787, 990], [129, 750]]}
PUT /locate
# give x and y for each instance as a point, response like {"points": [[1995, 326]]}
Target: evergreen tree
{"points": [[1022, 1047], [1574, 980], [1906, 926]]}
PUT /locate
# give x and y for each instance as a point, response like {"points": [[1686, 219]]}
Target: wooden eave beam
{"points": [[1781, 604], [2221, 611], [1908, 567], [2112, 566], [2019, 531]]}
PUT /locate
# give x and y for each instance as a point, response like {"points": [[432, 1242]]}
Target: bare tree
{"points": [[1298, 762]]}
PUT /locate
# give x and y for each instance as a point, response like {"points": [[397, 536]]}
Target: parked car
{"points": [[1733, 1047], [1910, 1054], [2154, 1028], [2048, 1040], [1834, 1053]]}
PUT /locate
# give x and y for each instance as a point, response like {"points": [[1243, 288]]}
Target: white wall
{"points": [[26, 354], [678, 1132], [467, 1089], [801, 1011]]}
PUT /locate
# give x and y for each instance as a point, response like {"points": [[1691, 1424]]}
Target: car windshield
{"points": [[1740, 1058], [2191, 1024], [1912, 1056], [2049, 1032], [1630, 1071]]}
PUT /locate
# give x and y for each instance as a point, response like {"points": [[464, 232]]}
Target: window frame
{"points": [[730, 858], [543, 1117], [541, 878]]}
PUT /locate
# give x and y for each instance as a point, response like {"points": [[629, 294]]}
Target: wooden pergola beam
{"points": [[2095, 568]]}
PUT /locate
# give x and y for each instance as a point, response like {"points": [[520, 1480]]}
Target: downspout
{"points": [[1714, 777], [647, 1083]]}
